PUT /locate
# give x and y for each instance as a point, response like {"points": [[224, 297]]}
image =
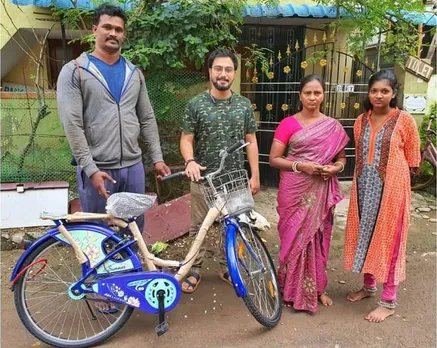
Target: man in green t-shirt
{"points": [[215, 120]]}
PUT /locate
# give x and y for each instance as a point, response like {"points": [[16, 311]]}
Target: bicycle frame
{"points": [[152, 262], [121, 280]]}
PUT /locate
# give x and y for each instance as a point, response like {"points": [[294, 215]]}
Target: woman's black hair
{"points": [[309, 78], [392, 81]]}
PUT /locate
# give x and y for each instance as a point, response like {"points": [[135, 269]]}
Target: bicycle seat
{"points": [[126, 205]]}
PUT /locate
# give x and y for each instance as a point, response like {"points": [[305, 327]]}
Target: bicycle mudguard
{"points": [[90, 237], [231, 239], [140, 290]]}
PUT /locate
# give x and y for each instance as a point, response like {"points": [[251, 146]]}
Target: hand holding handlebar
{"points": [[238, 145]]}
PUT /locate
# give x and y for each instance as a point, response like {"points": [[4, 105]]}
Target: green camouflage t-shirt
{"points": [[216, 125]]}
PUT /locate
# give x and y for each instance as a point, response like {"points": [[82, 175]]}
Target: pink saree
{"points": [[305, 208]]}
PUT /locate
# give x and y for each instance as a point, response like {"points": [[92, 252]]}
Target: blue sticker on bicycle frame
{"points": [[91, 243]]}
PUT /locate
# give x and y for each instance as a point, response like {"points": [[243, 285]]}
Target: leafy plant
{"points": [[172, 34], [159, 247], [424, 125], [366, 20]]}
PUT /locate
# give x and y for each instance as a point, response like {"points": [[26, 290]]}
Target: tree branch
{"points": [[16, 28]]}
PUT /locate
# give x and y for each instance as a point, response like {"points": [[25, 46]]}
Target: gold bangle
{"points": [[342, 166]]}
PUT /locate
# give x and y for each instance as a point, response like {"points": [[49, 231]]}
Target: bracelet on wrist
{"points": [[189, 160], [294, 167], [342, 166]]}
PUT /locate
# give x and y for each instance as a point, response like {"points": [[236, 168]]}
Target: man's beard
{"points": [[221, 88]]}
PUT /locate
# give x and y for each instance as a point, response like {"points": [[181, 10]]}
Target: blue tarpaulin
{"points": [[284, 10]]}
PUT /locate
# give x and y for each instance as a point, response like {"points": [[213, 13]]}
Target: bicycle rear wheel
{"points": [[258, 274], [425, 177], [50, 313]]}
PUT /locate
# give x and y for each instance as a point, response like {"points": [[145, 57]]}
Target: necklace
{"points": [[302, 120]]}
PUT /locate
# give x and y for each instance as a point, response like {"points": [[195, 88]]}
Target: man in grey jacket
{"points": [[104, 108]]}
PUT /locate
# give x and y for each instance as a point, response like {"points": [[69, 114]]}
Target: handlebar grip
{"points": [[235, 146], [173, 176]]}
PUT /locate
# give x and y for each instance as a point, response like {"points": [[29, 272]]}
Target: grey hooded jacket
{"points": [[102, 133]]}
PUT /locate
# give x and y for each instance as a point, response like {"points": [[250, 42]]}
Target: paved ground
{"points": [[195, 322]]}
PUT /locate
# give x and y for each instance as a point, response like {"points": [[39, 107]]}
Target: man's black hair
{"points": [[110, 10]]}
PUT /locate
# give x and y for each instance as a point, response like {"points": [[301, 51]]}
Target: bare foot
{"points": [[287, 304], [379, 314], [325, 300], [359, 295]]}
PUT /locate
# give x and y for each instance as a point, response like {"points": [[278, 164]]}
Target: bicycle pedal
{"points": [[162, 328]]}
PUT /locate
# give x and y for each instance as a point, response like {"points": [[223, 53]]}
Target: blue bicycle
{"points": [[62, 279]]}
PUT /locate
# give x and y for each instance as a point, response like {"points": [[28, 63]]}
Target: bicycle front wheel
{"points": [[258, 274], [51, 313], [425, 177]]}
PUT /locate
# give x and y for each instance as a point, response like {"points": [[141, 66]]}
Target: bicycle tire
{"points": [[251, 300], [417, 185], [23, 304]]}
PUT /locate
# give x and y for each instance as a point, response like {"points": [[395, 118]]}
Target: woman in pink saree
{"points": [[313, 145]]}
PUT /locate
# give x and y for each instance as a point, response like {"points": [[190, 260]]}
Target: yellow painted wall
{"points": [[23, 17], [22, 73], [410, 84], [432, 92]]}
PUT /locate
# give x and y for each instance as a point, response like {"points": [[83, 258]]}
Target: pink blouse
{"points": [[286, 129]]}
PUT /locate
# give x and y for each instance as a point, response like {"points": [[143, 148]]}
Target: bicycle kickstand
{"points": [[162, 327]]}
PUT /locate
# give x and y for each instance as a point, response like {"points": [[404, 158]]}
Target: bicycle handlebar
{"points": [[236, 146], [223, 154], [173, 176]]}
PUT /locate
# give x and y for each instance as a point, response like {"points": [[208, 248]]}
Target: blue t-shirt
{"points": [[114, 74]]}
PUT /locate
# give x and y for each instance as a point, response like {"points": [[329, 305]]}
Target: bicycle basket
{"points": [[233, 189], [126, 205]]}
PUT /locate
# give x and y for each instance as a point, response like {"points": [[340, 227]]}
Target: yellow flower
{"points": [[304, 64], [269, 107], [345, 69], [254, 106], [323, 62], [328, 105], [284, 107], [271, 75], [359, 73], [255, 79], [356, 106], [343, 105], [287, 69]]}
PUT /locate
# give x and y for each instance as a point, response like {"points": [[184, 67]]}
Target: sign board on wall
{"points": [[415, 103], [419, 68], [345, 88], [15, 88]]}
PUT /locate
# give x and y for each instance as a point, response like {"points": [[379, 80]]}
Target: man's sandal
{"points": [[113, 307], [224, 275], [192, 287]]}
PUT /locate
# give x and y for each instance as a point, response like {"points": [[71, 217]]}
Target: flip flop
{"points": [[224, 275], [193, 286], [110, 310], [98, 298]]}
